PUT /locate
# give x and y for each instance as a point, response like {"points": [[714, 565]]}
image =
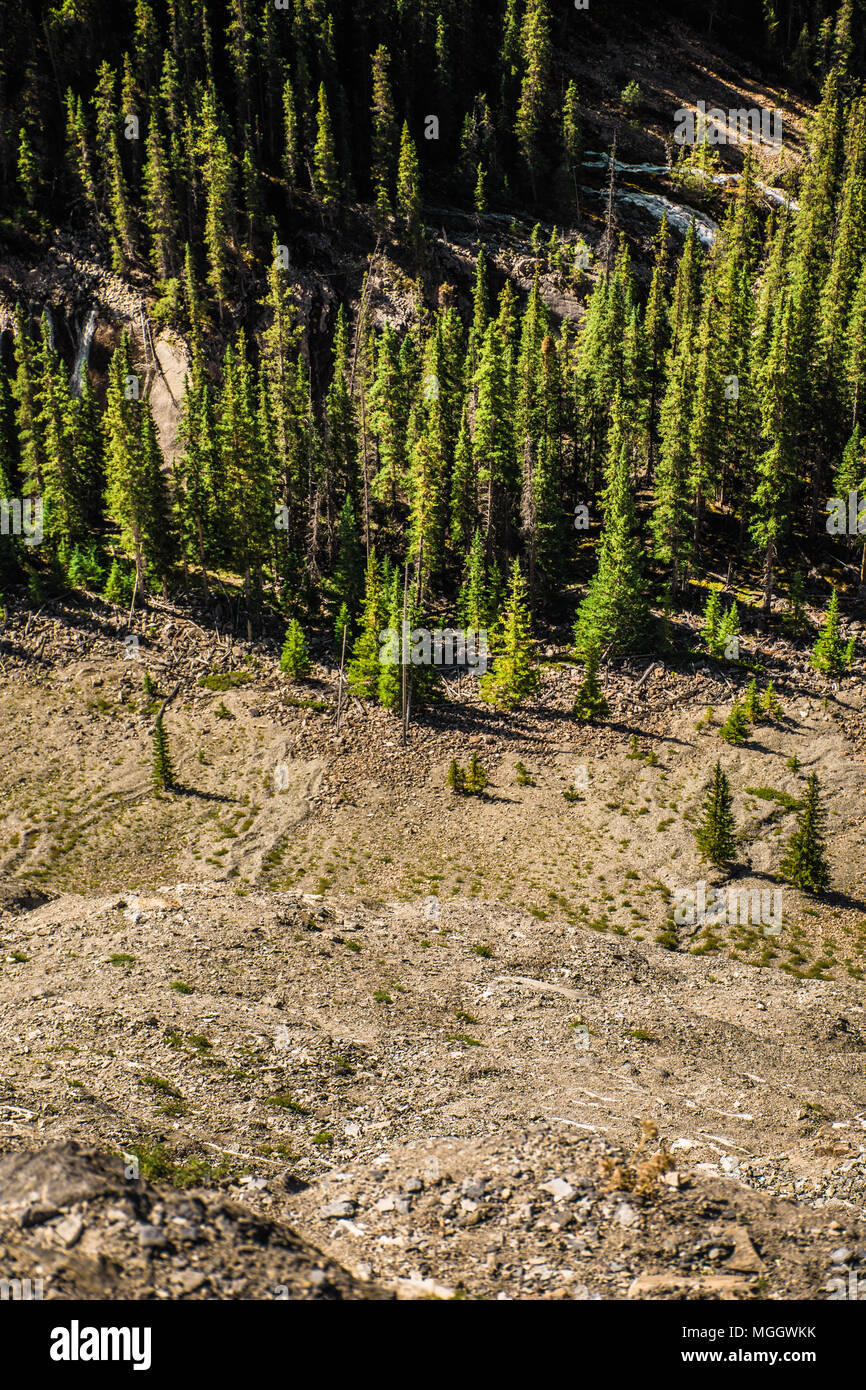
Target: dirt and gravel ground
{"points": [[436, 1036]]}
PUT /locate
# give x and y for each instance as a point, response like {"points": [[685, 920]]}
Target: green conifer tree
{"points": [[363, 669], [456, 778], [830, 654], [532, 108], [472, 607], [615, 612], [475, 779], [804, 863], [712, 622], [163, 773], [384, 131], [295, 656], [512, 677], [735, 729], [590, 704], [409, 186], [716, 833], [325, 167]]}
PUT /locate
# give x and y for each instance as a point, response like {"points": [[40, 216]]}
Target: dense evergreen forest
{"points": [[711, 408]]}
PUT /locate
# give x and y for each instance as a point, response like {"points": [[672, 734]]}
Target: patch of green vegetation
{"points": [[159, 1085], [224, 680], [121, 958], [320, 706], [465, 1038], [283, 1102], [181, 987], [382, 996], [790, 803], [483, 950]]}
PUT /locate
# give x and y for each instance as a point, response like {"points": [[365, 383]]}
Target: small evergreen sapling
{"points": [[295, 657], [163, 772], [804, 863], [830, 654], [750, 701], [729, 632], [476, 777], [590, 704], [770, 704], [456, 778], [512, 677], [795, 617], [712, 622], [735, 728], [470, 782], [716, 834]]}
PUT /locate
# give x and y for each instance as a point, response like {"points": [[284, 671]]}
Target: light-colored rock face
{"points": [[94, 1230], [166, 389]]}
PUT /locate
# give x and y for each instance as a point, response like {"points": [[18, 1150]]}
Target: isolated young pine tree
{"points": [[716, 832], [728, 628], [795, 617], [295, 656], [342, 623], [750, 702], [769, 704], [475, 778], [590, 704], [512, 677], [830, 654], [735, 729], [456, 778], [163, 772], [804, 863], [712, 622]]}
